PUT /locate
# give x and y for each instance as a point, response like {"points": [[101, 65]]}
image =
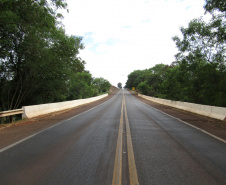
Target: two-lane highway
{"points": [[121, 141]]}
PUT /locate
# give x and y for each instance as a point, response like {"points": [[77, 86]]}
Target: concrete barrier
{"points": [[37, 110], [205, 110]]}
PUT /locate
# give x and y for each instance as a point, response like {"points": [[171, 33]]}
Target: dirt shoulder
{"points": [[12, 133], [213, 126]]}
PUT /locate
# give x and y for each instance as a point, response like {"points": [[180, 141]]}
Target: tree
{"points": [[143, 88], [203, 40], [101, 84], [212, 5], [148, 81], [135, 78], [119, 85], [202, 51], [36, 56], [80, 86]]}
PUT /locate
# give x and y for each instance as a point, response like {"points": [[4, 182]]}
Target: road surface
{"points": [[122, 141]]}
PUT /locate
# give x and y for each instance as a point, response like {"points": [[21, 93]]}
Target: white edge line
{"points": [[224, 141], [26, 138]]}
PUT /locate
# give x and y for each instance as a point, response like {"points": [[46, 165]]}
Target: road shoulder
{"points": [[24, 128], [210, 125]]}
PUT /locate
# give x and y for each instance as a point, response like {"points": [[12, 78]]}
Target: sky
{"points": [[121, 36]]}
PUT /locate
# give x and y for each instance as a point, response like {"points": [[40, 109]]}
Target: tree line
{"points": [[199, 73], [39, 63]]}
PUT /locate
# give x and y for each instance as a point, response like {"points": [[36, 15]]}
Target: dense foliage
{"points": [[39, 63], [199, 73], [101, 85], [119, 85]]}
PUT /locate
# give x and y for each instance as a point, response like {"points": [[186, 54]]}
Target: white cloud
{"points": [[124, 35]]}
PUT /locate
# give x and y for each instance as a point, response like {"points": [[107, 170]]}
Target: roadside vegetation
{"points": [[39, 63], [199, 73], [119, 85]]}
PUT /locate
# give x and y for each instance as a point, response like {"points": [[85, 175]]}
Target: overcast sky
{"points": [[121, 36]]}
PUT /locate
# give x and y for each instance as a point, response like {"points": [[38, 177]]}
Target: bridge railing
{"points": [[205, 110], [37, 110], [11, 112]]}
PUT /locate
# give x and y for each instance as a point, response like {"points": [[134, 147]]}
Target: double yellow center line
{"points": [[117, 174]]}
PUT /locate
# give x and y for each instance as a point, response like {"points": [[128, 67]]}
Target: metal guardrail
{"points": [[11, 112]]}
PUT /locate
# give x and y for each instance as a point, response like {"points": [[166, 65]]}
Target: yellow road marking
{"points": [[117, 174], [132, 165]]}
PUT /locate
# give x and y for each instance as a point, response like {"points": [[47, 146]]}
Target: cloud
{"points": [[124, 35]]}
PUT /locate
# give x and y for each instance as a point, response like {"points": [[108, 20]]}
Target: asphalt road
{"points": [[121, 141]]}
